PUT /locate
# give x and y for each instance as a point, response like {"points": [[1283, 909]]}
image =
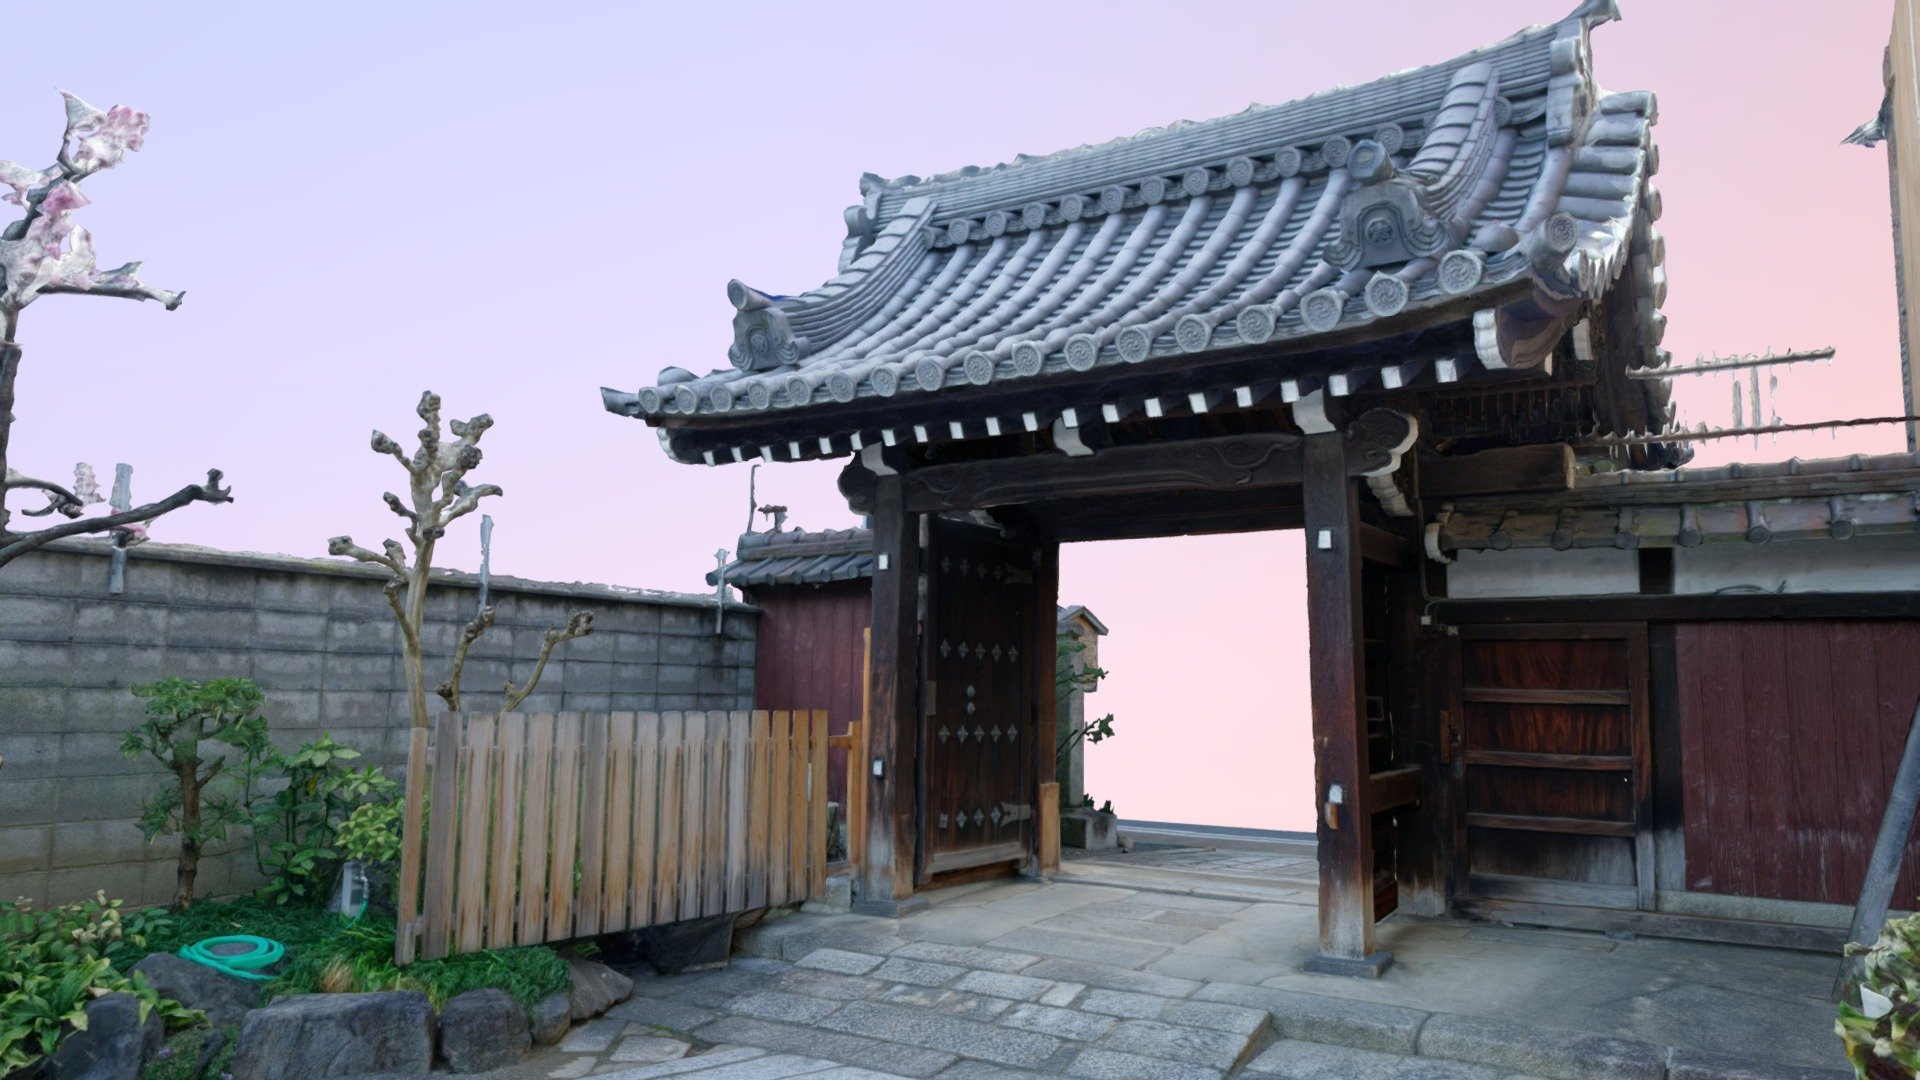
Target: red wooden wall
{"points": [[812, 655], [1790, 734]]}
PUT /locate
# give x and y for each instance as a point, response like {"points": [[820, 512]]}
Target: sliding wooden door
{"points": [[1552, 754]]}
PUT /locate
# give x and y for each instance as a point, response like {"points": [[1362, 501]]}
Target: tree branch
{"points": [[579, 624], [449, 691], [344, 545], [18, 544], [59, 498]]}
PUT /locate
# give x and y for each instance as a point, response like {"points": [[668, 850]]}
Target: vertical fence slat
{"points": [[713, 826], [739, 757], [537, 781], [470, 893], [593, 825], [619, 866], [780, 771], [509, 756], [437, 918], [759, 788], [406, 944], [798, 814], [666, 879], [564, 850], [693, 787], [817, 797], [856, 810], [1049, 825], [646, 794]]}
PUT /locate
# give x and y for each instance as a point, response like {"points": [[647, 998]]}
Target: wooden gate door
{"points": [[1553, 759], [977, 734]]}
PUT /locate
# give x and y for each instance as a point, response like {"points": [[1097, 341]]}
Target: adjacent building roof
{"points": [[1830, 498], [1502, 186], [798, 557]]}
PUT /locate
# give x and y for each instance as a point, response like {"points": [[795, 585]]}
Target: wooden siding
{"points": [[1790, 733], [812, 655]]}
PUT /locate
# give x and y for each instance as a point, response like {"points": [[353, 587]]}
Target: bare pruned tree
{"points": [[437, 496], [45, 252]]}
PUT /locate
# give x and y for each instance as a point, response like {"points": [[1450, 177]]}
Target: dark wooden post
{"points": [[1341, 771], [1044, 728], [886, 877]]}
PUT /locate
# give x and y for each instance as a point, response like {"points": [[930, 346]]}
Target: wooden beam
{"points": [[1042, 688], [1628, 607], [1774, 935], [886, 874], [1505, 471], [1342, 787], [1377, 545], [1395, 788]]}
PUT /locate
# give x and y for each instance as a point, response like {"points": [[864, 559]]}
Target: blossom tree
{"points": [[45, 252]]}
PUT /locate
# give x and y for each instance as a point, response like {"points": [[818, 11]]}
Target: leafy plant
{"points": [[182, 716], [359, 957], [1071, 676], [371, 834], [1882, 1035], [60, 959], [296, 830], [180, 1058]]}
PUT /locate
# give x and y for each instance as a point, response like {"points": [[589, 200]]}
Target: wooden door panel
{"points": [[1555, 787], [977, 731]]}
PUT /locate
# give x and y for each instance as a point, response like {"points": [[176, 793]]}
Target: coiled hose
{"points": [[228, 959]]}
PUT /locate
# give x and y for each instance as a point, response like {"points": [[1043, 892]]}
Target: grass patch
{"points": [[179, 1059], [328, 954]]}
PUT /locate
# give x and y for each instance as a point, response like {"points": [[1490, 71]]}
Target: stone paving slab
{"points": [[950, 1002], [1520, 1048], [1124, 1003], [1195, 1046], [1108, 977], [840, 961], [966, 956], [1060, 1023], [1294, 1060], [1065, 944], [837, 1046], [1114, 1065], [918, 1027], [1360, 1024]]}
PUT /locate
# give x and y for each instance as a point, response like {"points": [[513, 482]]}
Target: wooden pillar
{"points": [[886, 876], [1341, 770], [1042, 692]]}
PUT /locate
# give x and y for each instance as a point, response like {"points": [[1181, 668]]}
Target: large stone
{"points": [[691, 945], [113, 1046], [1089, 829], [226, 999], [596, 987], [549, 1018], [322, 1035], [483, 1029]]}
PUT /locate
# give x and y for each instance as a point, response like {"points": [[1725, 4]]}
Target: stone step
{"points": [[1500, 1048]]}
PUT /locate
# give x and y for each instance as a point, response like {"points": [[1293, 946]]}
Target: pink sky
{"points": [[366, 200]]}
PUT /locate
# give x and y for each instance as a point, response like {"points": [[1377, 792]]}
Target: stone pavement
{"points": [[1020, 979]]}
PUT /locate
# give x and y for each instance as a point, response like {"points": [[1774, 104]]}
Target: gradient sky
{"points": [[514, 205]]}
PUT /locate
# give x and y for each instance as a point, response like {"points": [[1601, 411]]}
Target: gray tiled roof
{"points": [[1370, 204], [799, 557]]}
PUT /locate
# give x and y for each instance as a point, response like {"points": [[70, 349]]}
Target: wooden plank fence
{"points": [[549, 826]]}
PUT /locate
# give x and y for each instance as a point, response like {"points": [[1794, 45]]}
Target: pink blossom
{"points": [[100, 140]]}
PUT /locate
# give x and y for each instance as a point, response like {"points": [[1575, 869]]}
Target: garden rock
{"points": [[114, 1044], [224, 998], [549, 1018], [692, 945], [596, 987], [483, 1029], [321, 1035]]}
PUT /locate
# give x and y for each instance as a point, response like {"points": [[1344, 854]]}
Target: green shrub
{"points": [[371, 834], [58, 960], [296, 829], [181, 715], [1883, 1033]]}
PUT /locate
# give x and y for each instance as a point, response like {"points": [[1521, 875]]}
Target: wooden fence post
{"points": [[1050, 827]]}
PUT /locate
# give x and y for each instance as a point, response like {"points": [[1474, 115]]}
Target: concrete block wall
{"points": [[320, 640]]}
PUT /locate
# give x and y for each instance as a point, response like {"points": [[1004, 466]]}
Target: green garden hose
{"points": [[241, 955]]}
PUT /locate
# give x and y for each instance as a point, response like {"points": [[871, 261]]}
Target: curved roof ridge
{"points": [[1261, 120]]}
